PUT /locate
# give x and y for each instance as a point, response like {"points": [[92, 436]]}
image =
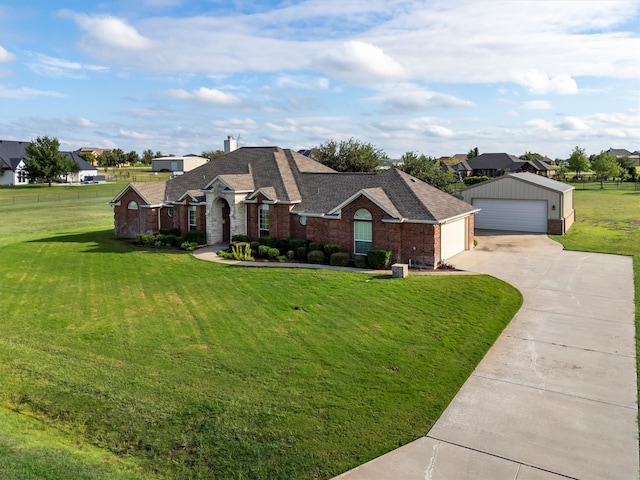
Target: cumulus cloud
{"points": [[206, 95], [540, 83], [110, 31], [403, 98], [6, 56], [360, 62]]}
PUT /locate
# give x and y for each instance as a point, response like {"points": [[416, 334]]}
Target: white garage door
{"points": [[516, 215], [452, 238]]}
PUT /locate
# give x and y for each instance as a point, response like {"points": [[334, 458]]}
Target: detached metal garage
{"points": [[522, 202]]}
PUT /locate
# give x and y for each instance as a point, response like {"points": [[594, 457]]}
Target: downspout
{"points": [[159, 218]]}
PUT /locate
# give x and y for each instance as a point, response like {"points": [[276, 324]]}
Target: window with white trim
{"points": [[193, 224], [362, 232], [263, 220], [132, 205]]}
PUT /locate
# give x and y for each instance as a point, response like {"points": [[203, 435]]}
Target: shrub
{"points": [[473, 180], [379, 258], [339, 259], [282, 258], [254, 247], [331, 248], [240, 237], [242, 251], [273, 253], [296, 243], [268, 241], [360, 261], [226, 255], [188, 246], [316, 246], [144, 239], [442, 265], [169, 231], [169, 240], [316, 257], [195, 236], [263, 251], [290, 254], [283, 244], [301, 253]]}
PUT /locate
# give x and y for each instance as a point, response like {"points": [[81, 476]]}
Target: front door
{"points": [[226, 223]]}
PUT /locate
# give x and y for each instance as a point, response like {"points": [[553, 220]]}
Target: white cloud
{"points": [[57, 67], [539, 83], [25, 93], [404, 98], [6, 56], [206, 95], [134, 135], [360, 62], [537, 105], [110, 31], [303, 83]]}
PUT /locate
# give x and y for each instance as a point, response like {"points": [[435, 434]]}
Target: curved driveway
{"points": [[556, 395]]}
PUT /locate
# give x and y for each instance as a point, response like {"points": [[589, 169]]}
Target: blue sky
{"points": [[435, 77]]}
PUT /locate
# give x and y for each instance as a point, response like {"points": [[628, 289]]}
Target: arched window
{"points": [[362, 232], [132, 205]]}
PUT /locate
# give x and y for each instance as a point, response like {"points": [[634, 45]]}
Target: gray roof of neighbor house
{"points": [[531, 178], [311, 187], [619, 152], [11, 152], [495, 161]]}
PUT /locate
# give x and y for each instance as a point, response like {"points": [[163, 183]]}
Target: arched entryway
{"points": [[226, 223]]}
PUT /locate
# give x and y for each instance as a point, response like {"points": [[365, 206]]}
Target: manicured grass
{"points": [[189, 369], [608, 221]]}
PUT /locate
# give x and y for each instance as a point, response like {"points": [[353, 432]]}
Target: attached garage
{"points": [[522, 202], [453, 238]]}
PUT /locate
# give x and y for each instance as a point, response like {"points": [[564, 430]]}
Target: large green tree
{"points": [[349, 156], [426, 169], [212, 154], [528, 156], [43, 161], [605, 166], [578, 161]]}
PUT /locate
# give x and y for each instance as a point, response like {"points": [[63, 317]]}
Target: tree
{"points": [[561, 172], [44, 162], [528, 156], [578, 161], [147, 157], [212, 155], [132, 157], [474, 152], [628, 165], [425, 168], [605, 166], [349, 156]]}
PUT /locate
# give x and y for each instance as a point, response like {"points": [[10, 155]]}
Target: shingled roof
{"points": [[314, 189]]}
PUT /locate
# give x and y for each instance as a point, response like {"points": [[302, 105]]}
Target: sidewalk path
{"points": [[556, 395]]}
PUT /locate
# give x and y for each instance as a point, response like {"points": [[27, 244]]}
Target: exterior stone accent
{"points": [[399, 270]]}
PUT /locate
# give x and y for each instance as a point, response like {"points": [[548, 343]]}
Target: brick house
{"points": [[261, 191]]}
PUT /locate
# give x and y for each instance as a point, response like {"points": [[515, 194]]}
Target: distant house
{"points": [[94, 152], [177, 165], [622, 153], [497, 164], [269, 191], [12, 170]]}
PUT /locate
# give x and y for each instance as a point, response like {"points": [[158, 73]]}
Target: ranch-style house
{"points": [[259, 191]]}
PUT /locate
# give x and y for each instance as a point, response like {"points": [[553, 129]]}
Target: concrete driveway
{"points": [[556, 395]]}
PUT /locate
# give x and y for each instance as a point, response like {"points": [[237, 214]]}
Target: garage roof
{"points": [[533, 179]]}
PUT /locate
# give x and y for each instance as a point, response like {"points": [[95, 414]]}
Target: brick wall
{"points": [[560, 227], [128, 223]]}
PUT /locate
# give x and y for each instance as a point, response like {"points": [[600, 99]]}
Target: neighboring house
{"points": [[522, 202], [497, 164], [95, 153], [177, 165], [622, 152], [12, 164], [259, 191]]}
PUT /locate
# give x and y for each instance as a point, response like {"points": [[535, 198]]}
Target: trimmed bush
{"points": [[290, 254], [240, 237], [339, 259], [196, 236], [296, 243], [301, 253], [473, 180], [360, 261], [268, 241], [284, 244], [254, 247], [188, 246], [168, 240], [282, 258], [379, 258], [316, 257], [331, 248], [263, 251], [316, 246], [273, 253], [169, 231], [144, 239]]}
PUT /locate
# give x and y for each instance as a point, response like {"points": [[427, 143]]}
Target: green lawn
{"points": [[608, 221], [119, 362]]}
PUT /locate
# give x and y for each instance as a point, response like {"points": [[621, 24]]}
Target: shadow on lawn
{"points": [[103, 241]]}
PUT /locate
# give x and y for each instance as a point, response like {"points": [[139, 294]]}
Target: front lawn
{"points": [[151, 364]]}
